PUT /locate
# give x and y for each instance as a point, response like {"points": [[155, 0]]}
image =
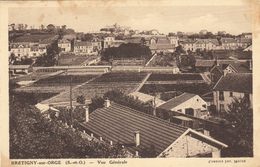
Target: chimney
{"points": [[137, 138], [107, 103], [111, 142], [216, 61], [206, 132], [136, 153], [87, 113], [100, 139], [250, 64]]}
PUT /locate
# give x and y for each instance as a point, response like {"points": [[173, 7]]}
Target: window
{"points": [[221, 107], [231, 94], [221, 95], [247, 96]]}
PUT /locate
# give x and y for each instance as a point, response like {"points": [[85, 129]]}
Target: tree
{"points": [[239, 122], [32, 135], [12, 58], [81, 99], [51, 29], [126, 51]]}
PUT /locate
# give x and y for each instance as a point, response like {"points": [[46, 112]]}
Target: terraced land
{"points": [[174, 77], [56, 84], [125, 81]]}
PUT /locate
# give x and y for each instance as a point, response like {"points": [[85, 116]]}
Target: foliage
{"points": [[239, 123], [149, 152], [81, 99], [97, 102], [118, 96], [49, 58], [129, 50], [34, 136]]}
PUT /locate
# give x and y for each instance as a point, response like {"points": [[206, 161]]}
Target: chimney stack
{"points": [[206, 132], [137, 138], [107, 103], [87, 113]]}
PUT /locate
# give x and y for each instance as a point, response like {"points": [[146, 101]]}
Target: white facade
{"points": [[222, 101], [196, 103], [64, 45]]}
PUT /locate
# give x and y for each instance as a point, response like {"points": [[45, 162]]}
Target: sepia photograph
{"points": [[123, 82]]}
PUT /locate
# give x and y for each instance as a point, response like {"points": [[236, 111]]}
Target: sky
{"points": [[232, 19]]}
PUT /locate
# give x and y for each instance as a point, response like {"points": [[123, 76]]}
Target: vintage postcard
{"points": [[129, 83]]}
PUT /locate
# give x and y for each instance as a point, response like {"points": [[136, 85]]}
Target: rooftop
{"points": [[235, 82], [118, 123], [177, 101]]}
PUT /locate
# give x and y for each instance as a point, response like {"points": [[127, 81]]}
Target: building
{"points": [[65, 45], [232, 85], [247, 35], [223, 67], [31, 46], [187, 103], [145, 98], [83, 47], [21, 49], [161, 45], [13, 69], [138, 131], [205, 44]]}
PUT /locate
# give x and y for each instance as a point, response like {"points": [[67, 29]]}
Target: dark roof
{"points": [[118, 123], [241, 67], [177, 101], [235, 82], [228, 40]]}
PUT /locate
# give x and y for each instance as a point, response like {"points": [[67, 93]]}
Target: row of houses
{"points": [[215, 44], [31, 46]]}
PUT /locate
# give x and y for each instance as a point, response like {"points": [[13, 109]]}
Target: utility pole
{"points": [[71, 115]]}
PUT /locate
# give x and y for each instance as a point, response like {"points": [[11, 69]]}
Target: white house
{"points": [[230, 86], [187, 103], [83, 47], [147, 98], [65, 45]]}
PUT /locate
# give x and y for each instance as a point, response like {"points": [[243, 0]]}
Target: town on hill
{"points": [[119, 92]]}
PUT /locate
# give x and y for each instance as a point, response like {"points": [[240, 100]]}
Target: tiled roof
{"points": [[204, 63], [23, 44], [210, 63], [241, 67], [236, 82], [205, 41], [177, 101], [19, 66], [228, 40], [118, 123]]}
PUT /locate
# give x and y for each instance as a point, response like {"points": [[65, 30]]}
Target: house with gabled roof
{"points": [[83, 47], [222, 68], [138, 131], [65, 45], [230, 86], [187, 103]]}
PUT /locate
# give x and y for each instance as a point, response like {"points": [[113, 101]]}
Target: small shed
{"points": [[20, 69]]}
